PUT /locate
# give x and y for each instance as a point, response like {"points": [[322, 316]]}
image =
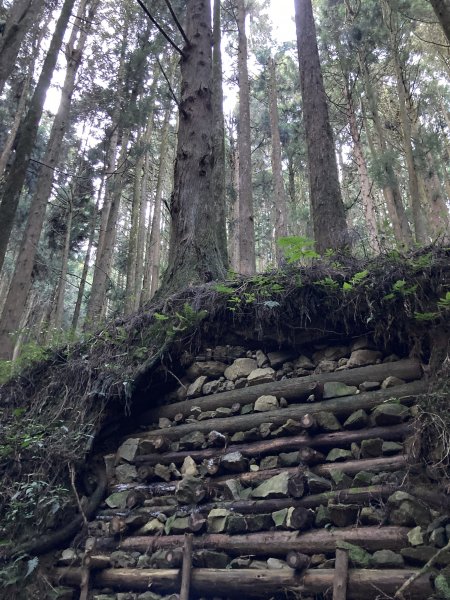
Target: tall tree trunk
{"points": [[391, 190], [233, 218], [193, 255], [26, 135], [22, 15], [363, 173], [59, 306], [390, 21], [219, 168], [442, 10], [105, 252], [327, 208], [247, 259], [153, 250], [439, 217], [280, 206], [21, 281]]}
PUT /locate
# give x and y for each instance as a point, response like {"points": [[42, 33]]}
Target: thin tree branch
{"points": [[174, 16], [159, 28], [172, 93]]}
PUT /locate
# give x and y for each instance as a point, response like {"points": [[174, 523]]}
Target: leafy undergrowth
{"points": [[52, 412]]}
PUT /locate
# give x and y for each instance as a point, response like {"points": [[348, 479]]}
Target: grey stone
{"points": [[405, 510], [327, 421], [333, 353], [422, 554], [391, 382], [234, 462], [277, 359], [338, 455], [361, 358], [362, 479], [442, 586], [387, 559], [363, 343], [265, 429], [223, 411], [176, 525], [438, 537], [289, 459], [357, 420], [217, 520], [317, 484], [269, 462], [189, 467], [206, 415], [391, 358], [148, 596], [358, 557], [210, 559], [371, 448], [275, 487], [415, 536], [370, 516], [240, 563], [117, 500], [210, 368], [192, 441], [128, 450], [303, 362], [340, 480], [211, 387], [335, 389], [241, 367], [153, 527], [323, 517], [326, 366], [120, 559], [276, 563], [369, 386], [391, 448], [262, 360], [195, 389], [240, 383], [266, 403], [190, 490], [164, 423], [390, 413], [126, 473], [258, 376], [258, 565], [163, 472]]}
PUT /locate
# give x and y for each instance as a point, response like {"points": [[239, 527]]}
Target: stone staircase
{"points": [[278, 474]]}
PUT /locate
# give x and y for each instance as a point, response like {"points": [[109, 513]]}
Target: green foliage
{"points": [[18, 570], [356, 280], [183, 320], [444, 303], [425, 316], [328, 282], [296, 248], [400, 288]]}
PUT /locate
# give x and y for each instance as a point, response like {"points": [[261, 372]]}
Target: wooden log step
{"points": [[284, 444], [271, 543], [407, 394], [292, 389], [363, 584], [363, 496]]}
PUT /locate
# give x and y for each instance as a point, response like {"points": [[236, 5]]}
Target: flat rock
{"points": [[277, 359], [369, 386], [391, 448], [327, 421], [269, 462], [190, 490], [322, 517], [335, 389], [189, 467], [192, 441], [223, 411], [265, 403], [210, 559], [370, 515], [117, 500], [234, 462], [362, 479], [338, 455], [262, 360], [217, 520], [121, 559], [316, 483], [326, 366], [128, 450], [303, 362], [391, 382], [371, 448], [363, 343], [241, 367], [211, 369], [289, 459], [340, 480], [357, 420], [364, 357], [276, 563], [211, 387], [205, 415], [195, 389], [390, 413], [422, 554], [275, 487], [358, 557], [387, 559], [407, 511], [331, 353], [126, 473], [415, 536], [258, 376]]}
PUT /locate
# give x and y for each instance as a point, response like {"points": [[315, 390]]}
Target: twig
{"points": [[178, 24], [422, 571], [159, 28], [172, 93], [77, 497]]}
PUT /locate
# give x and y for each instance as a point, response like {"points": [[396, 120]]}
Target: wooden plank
{"points": [[341, 575]]}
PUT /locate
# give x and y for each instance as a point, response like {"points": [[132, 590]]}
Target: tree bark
{"points": [[219, 168], [23, 14], [340, 579], [194, 256], [330, 227], [280, 205], [21, 280], [442, 10], [247, 259], [26, 136]]}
